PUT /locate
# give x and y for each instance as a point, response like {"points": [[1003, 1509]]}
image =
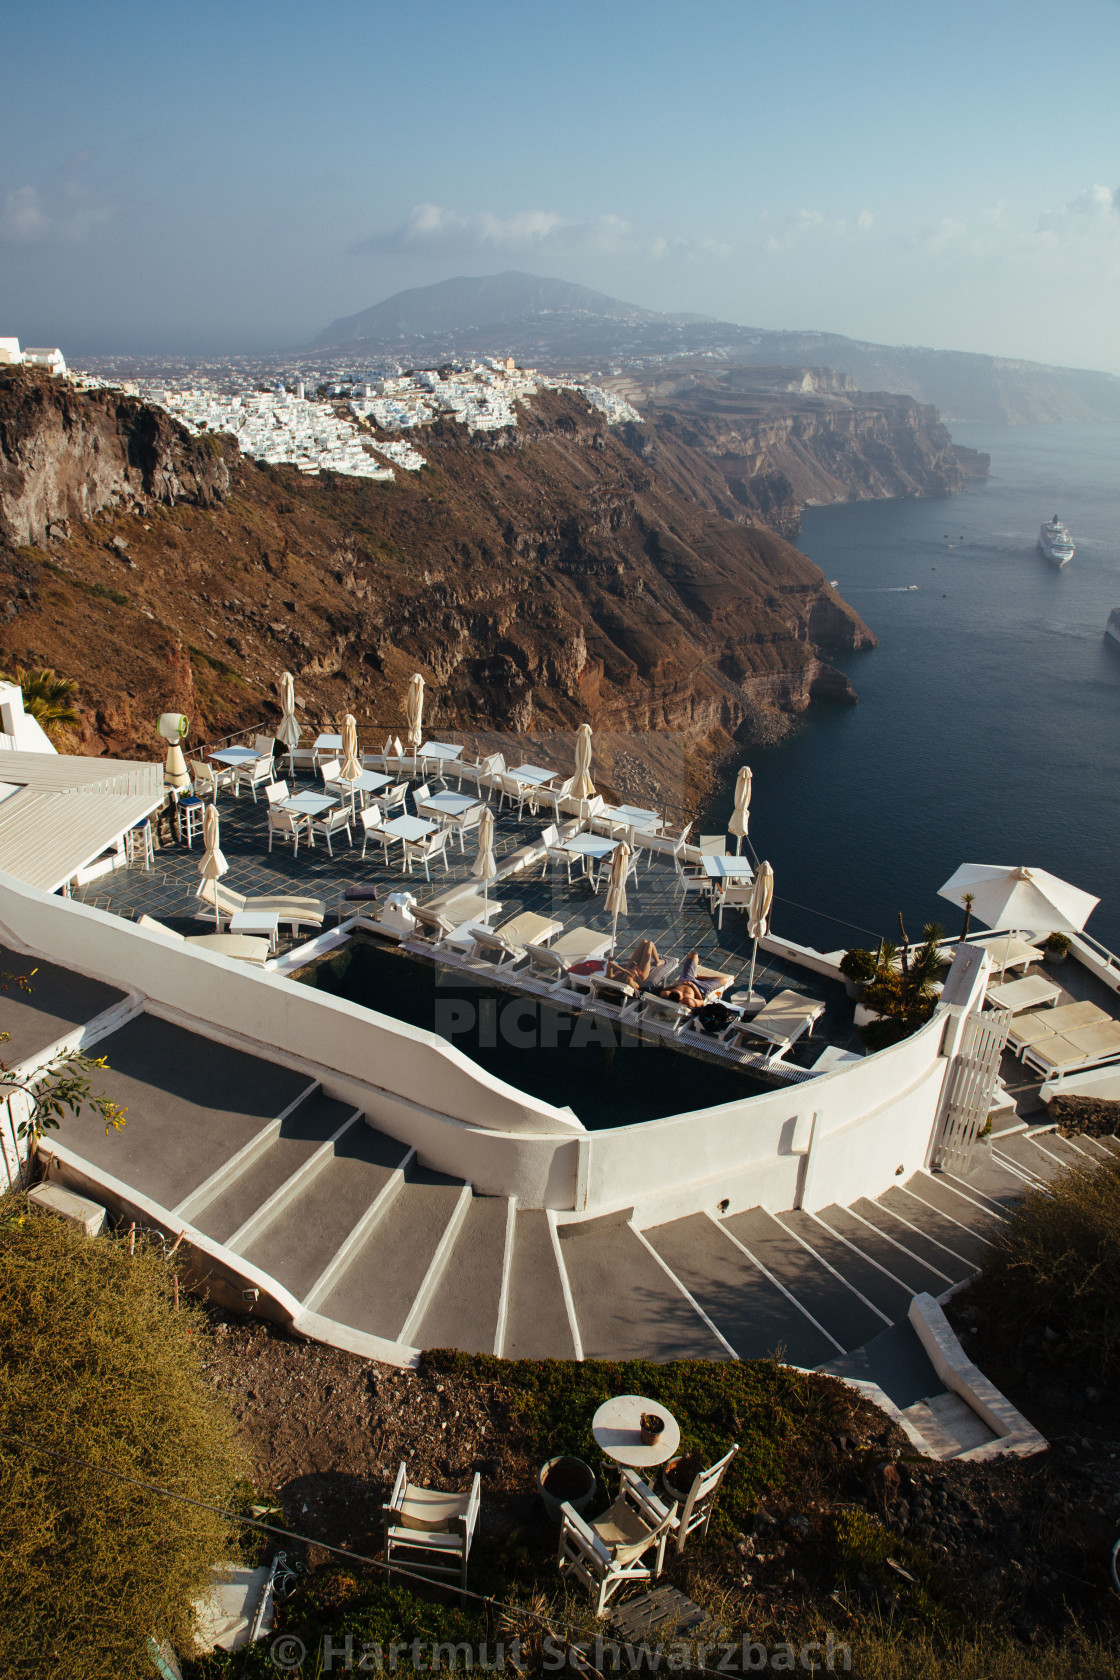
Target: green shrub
{"points": [[98, 1365], [1056, 1266], [857, 964]]}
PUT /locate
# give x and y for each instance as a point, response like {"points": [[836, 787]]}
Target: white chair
{"points": [[617, 994], [606, 1553], [264, 746], [331, 823], [428, 1531], [491, 770], [287, 824], [548, 798], [207, 781], [690, 878], [254, 773], [371, 820], [188, 815], [554, 852], [426, 851], [391, 799], [696, 1512], [712, 845], [460, 822], [301, 758], [735, 895], [421, 793]]}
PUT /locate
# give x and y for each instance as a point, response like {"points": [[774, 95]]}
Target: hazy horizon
{"points": [[230, 181]]}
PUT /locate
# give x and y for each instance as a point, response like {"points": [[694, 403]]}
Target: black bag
{"points": [[713, 1017]]}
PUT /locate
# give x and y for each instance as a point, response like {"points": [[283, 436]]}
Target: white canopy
{"points": [[212, 865], [484, 862], [1005, 897], [351, 763], [288, 729], [738, 823], [762, 897], [616, 887], [414, 711], [583, 787]]}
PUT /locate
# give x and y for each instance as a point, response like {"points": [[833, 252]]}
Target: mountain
{"points": [[537, 578], [552, 324]]}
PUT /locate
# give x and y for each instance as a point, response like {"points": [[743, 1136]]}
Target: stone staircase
{"points": [[346, 1220]]}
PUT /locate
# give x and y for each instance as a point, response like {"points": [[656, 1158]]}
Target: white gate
{"points": [[971, 1086]]}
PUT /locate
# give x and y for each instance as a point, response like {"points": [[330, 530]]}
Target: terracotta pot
{"points": [[573, 1484], [651, 1436]]}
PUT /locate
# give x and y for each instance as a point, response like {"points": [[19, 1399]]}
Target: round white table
{"points": [[616, 1427]]}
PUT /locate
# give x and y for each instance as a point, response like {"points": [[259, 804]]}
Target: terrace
{"points": [[469, 1002]]}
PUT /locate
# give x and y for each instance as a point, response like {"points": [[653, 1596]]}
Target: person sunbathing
{"points": [[688, 988], [644, 969]]}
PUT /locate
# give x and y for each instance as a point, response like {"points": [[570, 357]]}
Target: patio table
{"points": [[308, 804], [408, 828], [593, 846], [438, 750], [323, 746], [532, 775], [727, 868], [366, 783], [632, 816], [451, 804], [616, 1427], [1032, 992], [265, 922], [233, 756]]}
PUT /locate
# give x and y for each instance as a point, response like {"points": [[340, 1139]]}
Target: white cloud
{"points": [[432, 227], [1093, 214], [69, 212]]}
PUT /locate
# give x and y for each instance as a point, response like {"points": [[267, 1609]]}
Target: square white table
{"points": [[727, 868], [533, 775], [233, 756], [265, 922], [408, 828], [451, 804], [308, 804], [323, 745], [632, 816], [438, 750], [1034, 991]]}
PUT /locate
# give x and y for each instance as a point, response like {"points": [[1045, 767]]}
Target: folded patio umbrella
{"points": [[738, 823], [616, 888], [484, 863], [212, 865], [414, 712], [1006, 898], [351, 763], [288, 729], [583, 787], [758, 911]]}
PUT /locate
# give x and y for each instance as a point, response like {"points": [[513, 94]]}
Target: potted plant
{"points": [[565, 1481], [679, 1474], [651, 1427], [1057, 947], [858, 967]]}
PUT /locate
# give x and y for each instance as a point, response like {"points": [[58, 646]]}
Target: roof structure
{"points": [[61, 811]]}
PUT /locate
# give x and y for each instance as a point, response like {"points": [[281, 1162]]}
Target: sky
{"points": [[217, 178]]}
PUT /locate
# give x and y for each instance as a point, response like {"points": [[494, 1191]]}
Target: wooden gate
{"points": [[971, 1086]]}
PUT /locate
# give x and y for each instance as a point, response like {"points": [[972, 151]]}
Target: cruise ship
{"points": [[1055, 542]]}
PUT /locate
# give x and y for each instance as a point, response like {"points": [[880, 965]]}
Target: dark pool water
{"points": [[579, 1061]]}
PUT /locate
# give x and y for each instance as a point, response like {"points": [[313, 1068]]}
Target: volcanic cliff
{"points": [[537, 577]]}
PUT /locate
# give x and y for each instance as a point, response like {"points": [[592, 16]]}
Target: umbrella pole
{"points": [[754, 959], [614, 935]]}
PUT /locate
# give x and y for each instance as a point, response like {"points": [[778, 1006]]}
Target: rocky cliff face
{"points": [[537, 578], [787, 438]]}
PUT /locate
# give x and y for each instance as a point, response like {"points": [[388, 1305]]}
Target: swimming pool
{"points": [[605, 1074]]}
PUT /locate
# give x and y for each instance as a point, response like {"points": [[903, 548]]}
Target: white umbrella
{"points": [[351, 763], [1008, 898], [414, 712], [738, 823], [484, 863], [212, 865], [583, 787], [616, 888], [288, 729], [758, 912]]}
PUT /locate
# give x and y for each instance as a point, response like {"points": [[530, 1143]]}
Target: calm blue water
{"points": [[988, 728]]}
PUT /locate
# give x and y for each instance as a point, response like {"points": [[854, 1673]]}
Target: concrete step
{"points": [[382, 1284], [905, 1224], [465, 1308], [301, 1134], [820, 1292], [891, 1297], [626, 1305], [304, 1239], [948, 1424], [964, 1200], [756, 1316], [537, 1321], [891, 1249], [1022, 1154], [963, 1249]]}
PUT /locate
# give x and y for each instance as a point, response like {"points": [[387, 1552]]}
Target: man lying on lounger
{"points": [[646, 972]]}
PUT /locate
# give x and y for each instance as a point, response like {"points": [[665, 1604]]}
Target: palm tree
{"points": [[48, 698], [968, 900]]}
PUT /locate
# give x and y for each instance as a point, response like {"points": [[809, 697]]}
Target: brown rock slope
{"points": [[536, 577]]}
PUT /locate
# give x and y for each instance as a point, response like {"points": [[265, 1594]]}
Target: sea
{"points": [[988, 722]]}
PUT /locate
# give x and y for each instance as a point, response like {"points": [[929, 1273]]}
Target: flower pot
{"points": [[1056, 956], [854, 989], [679, 1474], [651, 1428], [565, 1481]]}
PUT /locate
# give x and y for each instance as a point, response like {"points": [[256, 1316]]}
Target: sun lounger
{"points": [[552, 963], [239, 945], [781, 1022], [437, 923], [618, 994], [529, 926], [505, 945], [1008, 954], [1068, 1052], [298, 912], [1034, 991], [664, 1011], [1038, 1024]]}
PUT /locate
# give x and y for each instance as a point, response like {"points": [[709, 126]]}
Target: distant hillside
{"points": [[553, 324]]}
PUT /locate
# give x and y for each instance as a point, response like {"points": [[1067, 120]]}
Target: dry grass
{"points": [[96, 1363], [1057, 1268]]}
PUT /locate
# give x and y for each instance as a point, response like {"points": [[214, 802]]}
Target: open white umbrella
{"points": [[484, 863], [616, 888], [212, 865], [583, 787], [1009, 898], [738, 823], [351, 763], [414, 712], [288, 729], [758, 912]]}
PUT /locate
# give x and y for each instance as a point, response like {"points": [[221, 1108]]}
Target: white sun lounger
{"points": [[1038, 1024], [439, 922], [552, 962], [1008, 954], [505, 945], [781, 1022], [240, 945], [299, 912], [1070, 1052]]}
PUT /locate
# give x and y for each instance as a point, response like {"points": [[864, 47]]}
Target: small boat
{"points": [[1055, 542]]}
